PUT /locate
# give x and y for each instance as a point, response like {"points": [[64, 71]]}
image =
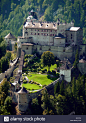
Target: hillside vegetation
{"points": [[13, 13]]}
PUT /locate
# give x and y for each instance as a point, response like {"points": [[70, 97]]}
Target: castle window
{"points": [[71, 36], [40, 48], [26, 48], [49, 48], [63, 50], [26, 32]]}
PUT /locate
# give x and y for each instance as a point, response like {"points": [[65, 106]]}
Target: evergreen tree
{"points": [[45, 99], [74, 87], [35, 107], [62, 88], [56, 88], [8, 103], [4, 87], [47, 103], [61, 105], [76, 59]]}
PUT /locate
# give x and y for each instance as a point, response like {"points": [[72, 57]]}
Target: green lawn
{"points": [[31, 86], [40, 78]]}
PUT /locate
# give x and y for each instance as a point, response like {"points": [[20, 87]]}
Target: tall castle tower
{"points": [[23, 99]]}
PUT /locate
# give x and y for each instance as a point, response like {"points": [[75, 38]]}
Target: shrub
{"points": [[26, 72], [26, 56], [49, 72], [28, 89], [25, 81], [43, 85], [43, 71], [38, 84], [32, 82], [34, 70], [30, 55], [57, 75], [53, 72]]}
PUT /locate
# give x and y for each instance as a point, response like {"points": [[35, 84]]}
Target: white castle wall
{"points": [[67, 75]]}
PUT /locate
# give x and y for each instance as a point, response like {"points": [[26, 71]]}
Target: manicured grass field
{"points": [[40, 78], [31, 86]]}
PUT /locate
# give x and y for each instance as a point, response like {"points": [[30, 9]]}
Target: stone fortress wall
{"points": [[9, 71], [23, 99]]}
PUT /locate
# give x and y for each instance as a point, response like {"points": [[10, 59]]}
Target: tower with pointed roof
{"points": [[10, 41]]}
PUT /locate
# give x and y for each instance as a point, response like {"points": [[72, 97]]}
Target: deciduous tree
{"points": [[48, 59]]}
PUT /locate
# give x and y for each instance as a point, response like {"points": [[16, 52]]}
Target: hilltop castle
{"points": [[59, 38], [62, 39]]}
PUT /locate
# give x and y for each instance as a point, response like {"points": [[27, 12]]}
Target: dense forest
{"points": [[13, 13], [66, 98]]}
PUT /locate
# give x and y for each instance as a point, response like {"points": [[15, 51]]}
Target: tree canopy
{"points": [[48, 59]]}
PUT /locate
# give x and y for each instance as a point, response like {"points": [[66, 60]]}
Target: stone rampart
{"points": [[60, 52], [8, 72], [24, 99]]}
